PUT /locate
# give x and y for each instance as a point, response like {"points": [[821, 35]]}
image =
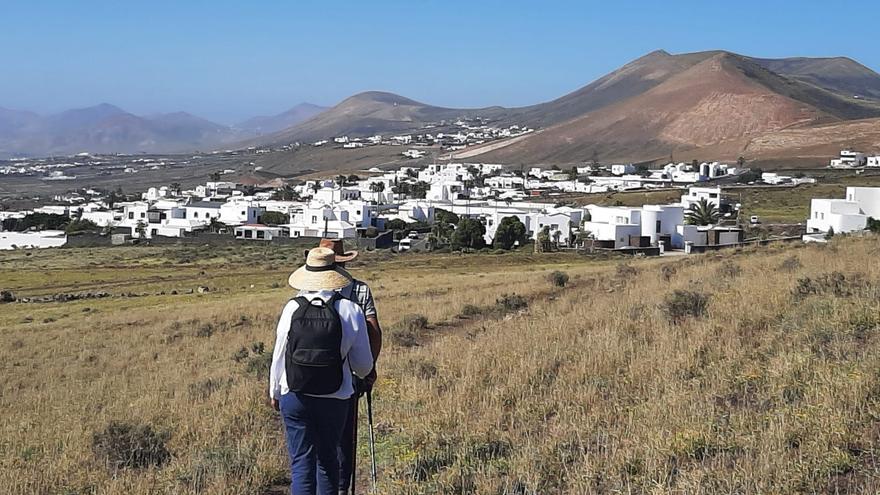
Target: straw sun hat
{"points": [[320, 272]]}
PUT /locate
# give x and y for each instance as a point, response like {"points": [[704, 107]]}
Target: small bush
{"points": [[240, 355], [790, 264], [511, 302], [130, 446], [626, 271], [471, 310], [205, 330], [729, 269], [683, 304], [259, 365], [203, 389], [667, 272], [558, 278], [258, 347], [415, 322], [835, 284], [407, 333]]}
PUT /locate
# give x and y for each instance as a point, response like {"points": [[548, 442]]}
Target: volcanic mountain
{"points": [[373, 112], [662, 104]]}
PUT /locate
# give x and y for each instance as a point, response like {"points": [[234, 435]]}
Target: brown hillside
{"points": [[713, 101]]}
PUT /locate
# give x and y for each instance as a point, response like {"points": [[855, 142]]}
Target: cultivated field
{"points": [[763, 378]]}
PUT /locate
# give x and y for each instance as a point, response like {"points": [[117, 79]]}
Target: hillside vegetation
{"points": [[737, 372]]}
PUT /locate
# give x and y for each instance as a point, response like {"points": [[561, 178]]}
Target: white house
{"points": [[622, 169], [849, 159], [873, 161], [203, 211], [240, 212], [838, 214], [335, 194], [258, 232], [617, 224], [694, 195], [844, 215], [868, 199], [321, 221]]}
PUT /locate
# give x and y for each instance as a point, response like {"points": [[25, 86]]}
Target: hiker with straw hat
{"points": [[321, 340], [360, 293]]}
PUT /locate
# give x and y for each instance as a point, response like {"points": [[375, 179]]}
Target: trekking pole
{"points": [[372, 439], [354, 442]]}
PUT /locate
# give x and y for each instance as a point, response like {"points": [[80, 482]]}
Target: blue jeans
{"points": [[313, 426], [346, 445]]}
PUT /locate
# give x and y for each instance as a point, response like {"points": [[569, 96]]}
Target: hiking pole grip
{"points": [[372, 438]]}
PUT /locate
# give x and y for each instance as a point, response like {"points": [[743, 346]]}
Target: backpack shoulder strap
{"points": [[302, 306]]}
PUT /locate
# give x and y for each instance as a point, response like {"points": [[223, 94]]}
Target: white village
{"points": [[419, 209]]}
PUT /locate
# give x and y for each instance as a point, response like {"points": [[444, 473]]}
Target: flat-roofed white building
{"points": [[838, 214], [844, 215]]}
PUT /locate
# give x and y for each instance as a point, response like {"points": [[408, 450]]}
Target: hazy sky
{"points": [[228, 60]]}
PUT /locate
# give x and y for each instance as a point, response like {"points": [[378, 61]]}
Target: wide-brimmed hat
{"points": [[338, 248], [320, 272]]}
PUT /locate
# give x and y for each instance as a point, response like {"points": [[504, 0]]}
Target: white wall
{"points": [[42, 239]]}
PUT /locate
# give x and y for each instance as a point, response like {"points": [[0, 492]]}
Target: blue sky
{"points": [[228, 60]]}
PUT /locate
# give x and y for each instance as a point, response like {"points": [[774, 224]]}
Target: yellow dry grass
{"points": [[591, 389]]}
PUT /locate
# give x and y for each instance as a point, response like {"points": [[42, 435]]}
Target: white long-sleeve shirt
{"points": [[355, 348]]}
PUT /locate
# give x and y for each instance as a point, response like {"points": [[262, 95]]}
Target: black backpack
{"points": [[313, 359]]}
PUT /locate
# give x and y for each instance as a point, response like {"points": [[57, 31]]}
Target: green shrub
{"points": [[470, 310], [558, 278], [130, 446], [415, 322], [728, 269], [683, 304], [259, 365], [508, 303]]}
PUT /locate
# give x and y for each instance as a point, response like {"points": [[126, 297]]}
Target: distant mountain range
{"points": [[712, 104], [106, 128], [275, 123]]}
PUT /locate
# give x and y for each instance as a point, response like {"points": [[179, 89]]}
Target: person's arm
{"points": [[360, 357], [277, 367], [373, 328]]}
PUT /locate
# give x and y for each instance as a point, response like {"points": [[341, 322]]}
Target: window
{"points": [[143, 215], [248, 234], [131, 215], [261, 234], [195, 214], [238, 233], [244, 213], [658, 227], [314, 219]]}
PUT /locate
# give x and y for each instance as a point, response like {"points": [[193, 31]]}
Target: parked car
{"points": [[754, 220]]}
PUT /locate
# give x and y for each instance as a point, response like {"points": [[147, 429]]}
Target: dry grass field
{"points": [[753, 371]]}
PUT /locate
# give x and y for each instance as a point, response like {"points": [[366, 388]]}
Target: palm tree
{"points": [[702, 213], [377, 187]]}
